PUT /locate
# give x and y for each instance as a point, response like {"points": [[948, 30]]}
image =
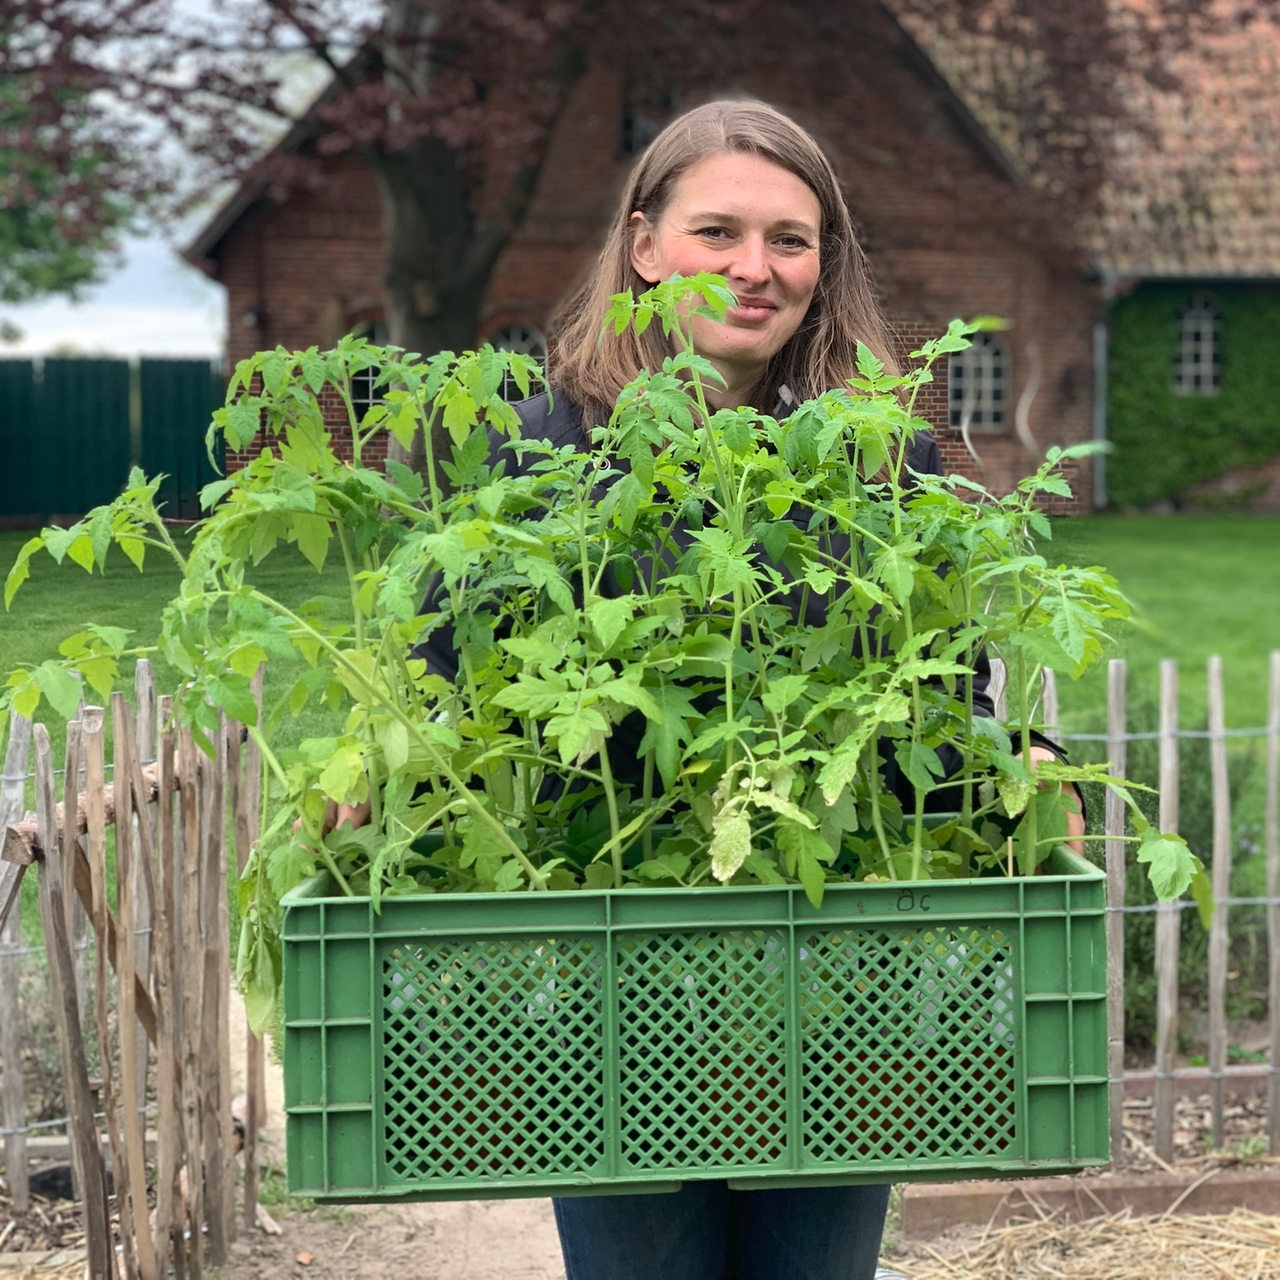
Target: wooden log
{"points": [[68, 850], [1220, 871], [171, 1154], [13, 1102], [191, 971], [1168, 925], [131, 1178], [144, 700], [90, 728], [22, 843], [215, 1039], [1271, 844], [86, 1145], [1114, 823], [66, 853]]}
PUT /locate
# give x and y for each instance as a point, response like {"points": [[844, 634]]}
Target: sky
{"points": [[154, 305]]}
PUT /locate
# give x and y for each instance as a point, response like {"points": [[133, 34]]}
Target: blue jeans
{"points": [[705, 1231]]}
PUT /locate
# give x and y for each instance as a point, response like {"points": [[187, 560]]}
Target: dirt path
{"points": [[459, 1240]]}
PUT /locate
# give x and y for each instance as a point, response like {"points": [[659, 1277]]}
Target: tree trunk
{"points": [[435, 279], [440, 250]]}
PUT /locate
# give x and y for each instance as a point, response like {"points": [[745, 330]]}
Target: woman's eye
{"points": [[714, 233], [792, 242]]}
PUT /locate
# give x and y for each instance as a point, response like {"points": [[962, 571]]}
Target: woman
{"points": [[738, 189]]}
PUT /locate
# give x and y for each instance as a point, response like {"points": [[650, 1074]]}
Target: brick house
{"points": [[951, 229], [1185, 241]]}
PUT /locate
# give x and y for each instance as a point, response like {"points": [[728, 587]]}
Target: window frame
{"points": [[1197, 363], [988, 410]]}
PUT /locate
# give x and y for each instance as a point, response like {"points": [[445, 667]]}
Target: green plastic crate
{"points": [[494, 1045]]}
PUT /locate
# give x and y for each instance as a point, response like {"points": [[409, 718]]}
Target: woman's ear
{"points": [[644, 246]]}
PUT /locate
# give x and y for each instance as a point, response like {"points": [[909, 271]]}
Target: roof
{"points": [[1191, 187]]}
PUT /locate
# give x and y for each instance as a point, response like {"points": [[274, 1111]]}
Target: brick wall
{"points": [[949, 233]]}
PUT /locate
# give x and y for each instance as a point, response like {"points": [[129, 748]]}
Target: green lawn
{"points": [[1203, 585], [58, 600]]}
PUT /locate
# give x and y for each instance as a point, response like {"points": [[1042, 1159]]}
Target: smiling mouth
{"points": [[753, 308]]}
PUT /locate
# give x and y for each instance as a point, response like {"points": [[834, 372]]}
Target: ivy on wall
{"points": [[1162, 442]]}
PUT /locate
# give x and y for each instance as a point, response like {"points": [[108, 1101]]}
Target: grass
{"points": [[1203, 585], [58, 599]]}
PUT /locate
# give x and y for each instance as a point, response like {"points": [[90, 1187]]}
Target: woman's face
{"points": [[758, 225]]}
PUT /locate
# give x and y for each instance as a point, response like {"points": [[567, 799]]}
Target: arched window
{"points": [[978, 385], [363, 392], [527, 339], [1197, 366]]}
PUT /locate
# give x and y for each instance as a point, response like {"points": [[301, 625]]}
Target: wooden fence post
{"points": [[1220, 870], [214, 1035], [14, 1111], [131, 869], [144, 685], [1114, 830], [191, 972], [86, 1144], [172, 1153], [1168, 923]]}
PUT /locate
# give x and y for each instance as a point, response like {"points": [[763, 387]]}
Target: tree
{"points": [[60, 219]]}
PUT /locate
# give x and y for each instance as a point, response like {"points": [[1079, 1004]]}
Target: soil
{"points": [[458, 1240]]}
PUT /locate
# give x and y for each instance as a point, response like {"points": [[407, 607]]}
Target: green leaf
{"points": [[61, 688], [608, 617], [289, 864], [730, 843], [895, 566], [577, 734], [783, 691], [738, 434], [393, 738], [666, 732], [805, 852], [312, 535], [460, 415], [1171, 866]]}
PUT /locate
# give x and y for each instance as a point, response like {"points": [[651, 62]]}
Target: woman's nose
{"points": [[752, 261]]}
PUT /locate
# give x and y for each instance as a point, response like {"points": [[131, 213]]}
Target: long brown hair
{"points": [[593, 368]]}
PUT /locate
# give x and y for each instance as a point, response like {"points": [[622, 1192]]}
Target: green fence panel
{"points": [[22, 479], [85, 426], [178, 398]]}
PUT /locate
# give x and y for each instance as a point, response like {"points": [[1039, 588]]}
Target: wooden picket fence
{"points": [[1168, 1078], [157, 1003], [160, 985]]}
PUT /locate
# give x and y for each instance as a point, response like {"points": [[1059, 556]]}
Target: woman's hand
{"points": [[354, 815], [335, 814], [1074, 807]]}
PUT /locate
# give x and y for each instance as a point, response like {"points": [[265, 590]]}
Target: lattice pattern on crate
{"points": [[909, 1044], [701, 1063], [492, 1059]]}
